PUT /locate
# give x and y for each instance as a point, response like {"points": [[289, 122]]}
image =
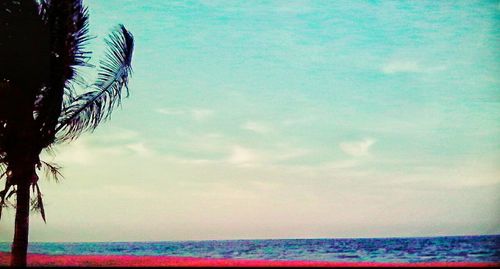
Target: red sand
{"points": [[143, 261]]}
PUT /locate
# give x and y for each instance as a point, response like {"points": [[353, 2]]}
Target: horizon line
{"points": [[264, 239]]}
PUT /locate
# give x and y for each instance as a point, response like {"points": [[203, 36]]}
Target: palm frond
{"points": [[52, 170], [4, 194], [37, 202], [68, 24], [88, 110], [68, 29]]}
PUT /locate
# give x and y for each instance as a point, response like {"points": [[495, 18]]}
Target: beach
{"points": [[143, 261]]}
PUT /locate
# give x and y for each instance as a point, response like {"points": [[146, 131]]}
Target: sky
{"points": [[288, 119]]}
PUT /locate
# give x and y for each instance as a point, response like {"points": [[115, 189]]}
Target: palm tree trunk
{"points": [[22, 173], [20, 243]]}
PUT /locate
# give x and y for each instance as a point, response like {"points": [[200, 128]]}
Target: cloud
{"points": [[116, 135], [242, 156], [75, 153], [257, 127], [139, 148], [83, 152], [408, 66], [169, 111], [201, 114], [357, 148], [93, 150], [401, 67]]}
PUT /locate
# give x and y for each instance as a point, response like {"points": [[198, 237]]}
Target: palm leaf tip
{"points": [[86, 111], [37, 202], [52, 170]]}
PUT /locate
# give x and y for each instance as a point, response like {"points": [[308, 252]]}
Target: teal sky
{"points": [[287, 119]]}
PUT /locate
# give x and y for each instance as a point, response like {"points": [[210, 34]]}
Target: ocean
{"points": [[418, 249]]}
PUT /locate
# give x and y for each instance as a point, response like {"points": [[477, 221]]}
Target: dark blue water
{"points": [[431, 249]]}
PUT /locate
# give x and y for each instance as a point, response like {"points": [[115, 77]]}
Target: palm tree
{"points": [[43, 100]]}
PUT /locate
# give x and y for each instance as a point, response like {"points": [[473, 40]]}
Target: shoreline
{"points": [[155, 261]]}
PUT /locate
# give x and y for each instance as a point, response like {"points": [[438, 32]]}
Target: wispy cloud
{"points": [[401, 67], [357, 148], [201, 114], [170, 111], [257, 127], [76, 153], [243, 156], [139, 148], [226, 150], [117, 135], [96, 150], [408, 66], [246, 156], [83, 152]]}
